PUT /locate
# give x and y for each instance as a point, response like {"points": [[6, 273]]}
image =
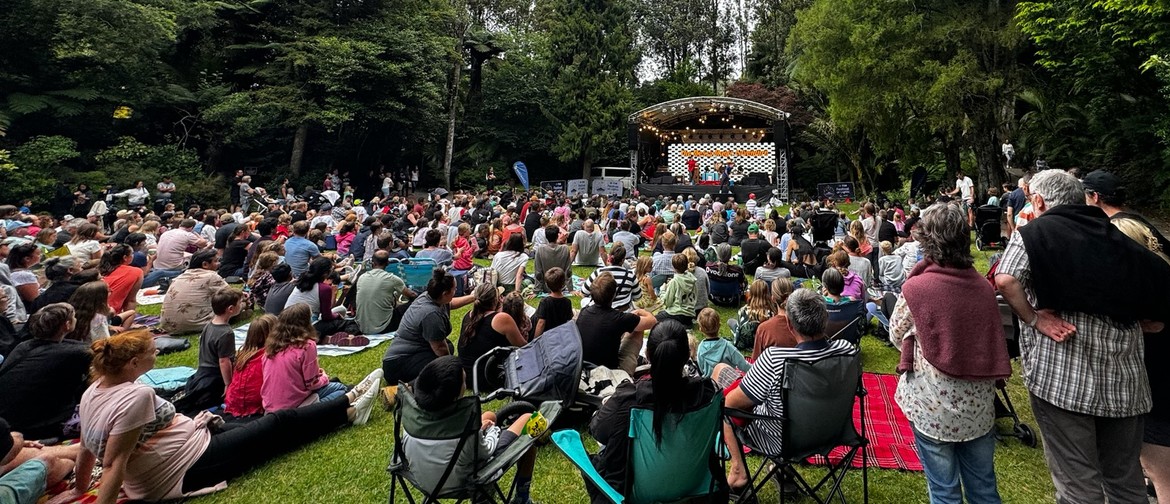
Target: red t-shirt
{"points": [[121, 281]]}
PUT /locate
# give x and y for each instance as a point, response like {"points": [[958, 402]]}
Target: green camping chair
{"points": [[685, 455], [452, 436], [818, 417]]}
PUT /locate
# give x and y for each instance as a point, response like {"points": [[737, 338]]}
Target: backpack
{"points": [[745, 335]]}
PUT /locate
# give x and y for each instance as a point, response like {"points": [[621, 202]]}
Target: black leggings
{"points": [[233, 452]]}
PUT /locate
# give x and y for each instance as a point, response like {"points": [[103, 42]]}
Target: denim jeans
{"points": [[152, 279], [876, 312], [955, 470], [331, 390]]}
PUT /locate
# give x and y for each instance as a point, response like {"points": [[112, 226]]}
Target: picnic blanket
{"points": [[147, 320], [891, 441], [145, 299], [166, 380], [241, 333]]}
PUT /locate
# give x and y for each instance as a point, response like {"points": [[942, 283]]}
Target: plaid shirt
{"points": [[1098, 371]]}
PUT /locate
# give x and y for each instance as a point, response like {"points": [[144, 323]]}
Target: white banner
{"points": [[607, 186], [576, 187]]}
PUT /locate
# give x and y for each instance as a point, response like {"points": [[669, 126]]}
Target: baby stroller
{"points": [[1003, 403], [987, 232], [546, 369]]}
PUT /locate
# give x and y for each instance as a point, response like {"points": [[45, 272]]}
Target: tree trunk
{"points": [[452, 115], [298, 150], [985, 144], [952, 153], [586, 167]]}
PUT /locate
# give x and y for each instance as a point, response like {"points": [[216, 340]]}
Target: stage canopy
{"points": [[710, 129]]}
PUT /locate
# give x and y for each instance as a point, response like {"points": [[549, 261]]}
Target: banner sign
{"points": [[576, 187], [607, 186], [838, 191], [521, 173], [553, 185]]}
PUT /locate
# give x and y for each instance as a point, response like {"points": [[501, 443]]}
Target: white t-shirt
{"points": [[966, 188], [387, 182]]}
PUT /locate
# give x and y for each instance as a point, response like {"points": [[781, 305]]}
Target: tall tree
{"points": [[592, 61]]}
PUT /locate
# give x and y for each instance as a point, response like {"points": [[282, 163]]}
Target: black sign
{"points": [[838, 191], [553, 185]]}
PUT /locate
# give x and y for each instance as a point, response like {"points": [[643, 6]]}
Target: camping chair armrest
{"points": [[569, 442], [498, 464]]}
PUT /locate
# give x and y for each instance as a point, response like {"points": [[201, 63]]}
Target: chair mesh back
{"points": [[685, 449], [818, 405], [449, 423], [842, 318]]}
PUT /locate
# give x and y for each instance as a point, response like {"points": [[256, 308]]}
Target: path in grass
{"points": [[349, 466]]}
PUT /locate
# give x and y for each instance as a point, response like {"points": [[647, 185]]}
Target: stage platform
{"points": [[740, 192]]}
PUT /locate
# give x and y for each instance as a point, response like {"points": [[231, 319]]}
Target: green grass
{"points": [[349, 465]]}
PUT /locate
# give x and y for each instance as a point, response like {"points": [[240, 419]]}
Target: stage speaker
{"points": [[756, 179], [780, 135], [662, 179], [632, 135]]}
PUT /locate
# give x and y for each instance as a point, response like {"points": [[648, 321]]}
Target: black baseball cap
{"points": [[1102, 182]]}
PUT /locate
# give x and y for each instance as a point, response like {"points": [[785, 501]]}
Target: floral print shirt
{"points": [[945, 409]]}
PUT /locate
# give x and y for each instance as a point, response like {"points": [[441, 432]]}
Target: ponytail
{"points": [[668, 350]]}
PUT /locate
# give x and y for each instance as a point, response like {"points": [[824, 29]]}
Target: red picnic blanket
{"points": [[891, 441]]}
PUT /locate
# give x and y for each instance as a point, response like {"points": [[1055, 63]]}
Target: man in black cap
{"points": [[1104, 190]]}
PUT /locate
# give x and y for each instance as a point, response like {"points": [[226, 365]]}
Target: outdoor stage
{"points": [[740, 192]]}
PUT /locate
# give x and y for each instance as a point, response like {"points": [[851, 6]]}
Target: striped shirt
{"points": [[764, 384], [627, 286], [1099, 371]]}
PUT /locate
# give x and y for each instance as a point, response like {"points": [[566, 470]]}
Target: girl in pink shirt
{"points": [[292, 376]]}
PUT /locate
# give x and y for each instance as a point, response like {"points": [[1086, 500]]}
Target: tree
{"points": [[915, 76], [591, 61]]}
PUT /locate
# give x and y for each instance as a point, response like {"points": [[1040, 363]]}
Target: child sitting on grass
{"points": [[891, 274], [217, 351], [712, 349], [243, 394], [439, 385], [555, 309], [678, 295]]}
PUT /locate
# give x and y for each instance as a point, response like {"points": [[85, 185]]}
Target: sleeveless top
{"points": [[485, 339]]}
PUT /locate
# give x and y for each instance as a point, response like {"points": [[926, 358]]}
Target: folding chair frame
{"points": [[783, 464], [486, 483]]}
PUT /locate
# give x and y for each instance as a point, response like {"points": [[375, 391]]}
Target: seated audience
{"points": [[171, 255], [776, 332], [292, 375], [628, 288], [260, 279], [243, 396], [550, 255], [753, 250], [378, 293], [510, 263], [678, 295], [762, 389], [314, 290], [773, 267], [712, 349], [95, 319], [722, 270], [235, 253], [152, 453], [187, 304], [281, 289], [41, 380], [21, 259], [555, 309], [891, 275], [123, 279], [84, 245], [217, 348], [440, 384], [28, 468], [441, 255], [853, 287], [64, 278], [422, 334], [587, 246], [486, 327], [758, 309], [668, 392], [609, 337]]}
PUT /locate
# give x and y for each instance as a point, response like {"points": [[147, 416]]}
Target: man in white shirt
{"points": [[965, 188], [587, 249]]}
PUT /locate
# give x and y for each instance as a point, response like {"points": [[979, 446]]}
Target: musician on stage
{"points": [[724, 176], [692, 170]]}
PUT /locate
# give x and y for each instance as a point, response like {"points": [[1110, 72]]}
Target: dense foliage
{"points": [[110, 91]]}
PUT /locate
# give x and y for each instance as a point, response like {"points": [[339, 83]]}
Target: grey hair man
{"points": [[761, 390], [1081, 338]]}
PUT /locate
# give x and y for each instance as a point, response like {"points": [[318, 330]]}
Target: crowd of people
{"points": [[306, 268]]}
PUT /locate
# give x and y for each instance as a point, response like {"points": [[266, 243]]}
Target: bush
{"points": [[33, 168], [130, 160]]}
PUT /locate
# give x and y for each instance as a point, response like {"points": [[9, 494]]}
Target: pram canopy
{"points": [[548, 368]]}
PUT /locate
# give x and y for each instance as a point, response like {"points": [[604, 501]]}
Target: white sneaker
{"points": [[368, 389]]}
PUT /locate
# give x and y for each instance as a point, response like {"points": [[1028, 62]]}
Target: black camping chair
{"points": [[818, 418], [846, 320], [454, 432]]}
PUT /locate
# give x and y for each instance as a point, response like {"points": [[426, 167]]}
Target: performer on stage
{"points": [[692, 169], [725, 177]]}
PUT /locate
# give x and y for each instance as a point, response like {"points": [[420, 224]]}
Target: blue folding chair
{"points": [[683, 466], [845, 320], [416, 272]]}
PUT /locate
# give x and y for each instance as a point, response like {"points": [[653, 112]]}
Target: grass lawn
{"points": [[350, 465]]}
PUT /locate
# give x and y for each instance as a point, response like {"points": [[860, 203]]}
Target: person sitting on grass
{"points": [[712, 349], [28, 468], [95, 319], [292, 375], [187, 305], [42, 379], [513, 304], [775, 332], [439, 385], [555, 309], [667, 391], [678, 295], [773, 267], [217, 348], [550, 255], [152, 453], [281, 288], [486, 327], [243, 397], [758, 309], [609, 337], [853, 287]]}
